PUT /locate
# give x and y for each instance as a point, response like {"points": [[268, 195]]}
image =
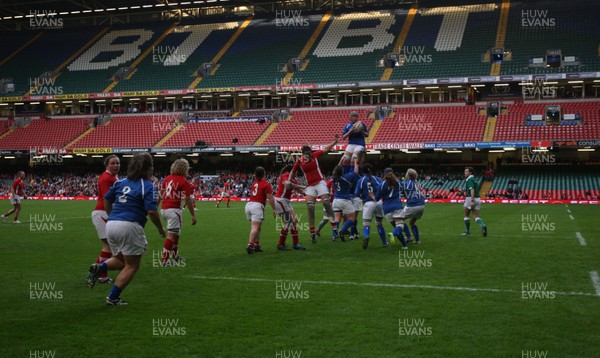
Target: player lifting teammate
{"points": [[391, 196], [316, 186], [370, 184], [285, 187], [415, 203]]}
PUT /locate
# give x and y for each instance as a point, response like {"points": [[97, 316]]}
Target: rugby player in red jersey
{"points": [[174, 189], [261, 191], [285, 187], [225, 193], [112, 165], [316, 185], [16, 194]]}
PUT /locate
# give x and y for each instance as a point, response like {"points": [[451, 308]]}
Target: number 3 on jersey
{"points": [[255, 190]]}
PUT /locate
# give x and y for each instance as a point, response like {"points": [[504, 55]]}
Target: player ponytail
{"points": [[391, 179], [411, 174], [140, 167]]}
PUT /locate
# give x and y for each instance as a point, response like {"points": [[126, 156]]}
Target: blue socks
{"points": [[381, 232], [115, 293], [346, 226], [103, 267], [415, 231], [366, 231], [480, 222]]}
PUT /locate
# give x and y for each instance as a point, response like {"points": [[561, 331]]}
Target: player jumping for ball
{"points": [[316, 186]]}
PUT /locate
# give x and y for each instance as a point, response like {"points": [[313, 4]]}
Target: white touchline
{"points": [[595, 281], [569, 211], [581, 239], [393, 285], [571, 216]]}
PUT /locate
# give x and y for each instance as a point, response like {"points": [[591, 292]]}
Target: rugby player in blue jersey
{"points": [[369, 184], [127, 204], [415, 203], [391, 196]]}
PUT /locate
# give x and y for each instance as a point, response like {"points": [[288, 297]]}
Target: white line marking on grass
{"points": [[595, 281], [569, 211], [392, 285], [581, 239], [571, 216], [57, 219]]}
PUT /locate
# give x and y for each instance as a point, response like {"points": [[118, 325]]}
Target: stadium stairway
{"points": [[387, 73], [142, 56], [490, 129], [309, 44], [485, 188], [21, 48], [79, 137], [501, 34], [83, 48], [220, 54], [168, 135], [266, 133]]}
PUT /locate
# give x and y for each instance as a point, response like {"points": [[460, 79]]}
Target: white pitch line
{"points": [[569, 211], [392, 285], [581, 239], [571, 216], [595, 281]]}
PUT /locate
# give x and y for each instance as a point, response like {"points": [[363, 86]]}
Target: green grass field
{"points": [[466, 300]]}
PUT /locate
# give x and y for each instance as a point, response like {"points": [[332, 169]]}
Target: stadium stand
{"points": [[470, 31], [129, 131], [46, 53], [511, 127], [549, 182], [534, 27], [432, 124], [172, 63], [55, 132], [260, 52], [315, 126], [216, 133]]}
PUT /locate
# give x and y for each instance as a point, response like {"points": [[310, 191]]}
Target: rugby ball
{"points": [[358, 127]]}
